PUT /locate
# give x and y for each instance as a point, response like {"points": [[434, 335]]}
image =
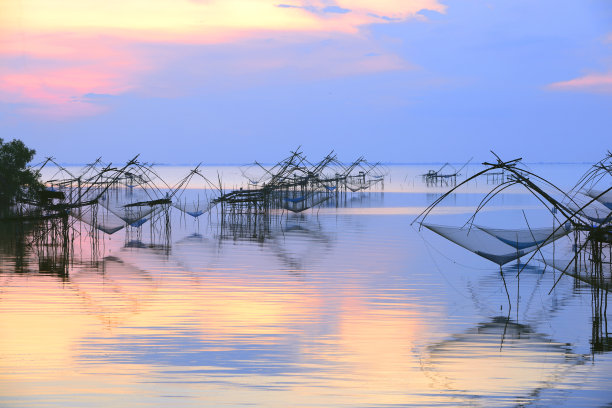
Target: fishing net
{"points": [[297, 201], [98, 217], [194, 208], [595, 274], [604, 198], [593, 212], [356, 183], [129, 205], [481, 243], [525, 238]]}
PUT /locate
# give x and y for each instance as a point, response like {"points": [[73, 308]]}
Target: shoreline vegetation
{"points": [[19, 183]]}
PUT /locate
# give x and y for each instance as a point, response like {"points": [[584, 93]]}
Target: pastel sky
{"points": [[232, 81]]}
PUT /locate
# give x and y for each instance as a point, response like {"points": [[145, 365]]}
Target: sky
{"points": [[233, 81]]}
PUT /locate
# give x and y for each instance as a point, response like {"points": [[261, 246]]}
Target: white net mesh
{"points": [[583, 271], [121, 204], [593, 212], [99, 218], [480, 243], [525, 238], [298, 201], [195, 209], [604, 198]]}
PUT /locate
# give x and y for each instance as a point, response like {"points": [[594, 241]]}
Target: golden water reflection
{"points": [[110, 335]]}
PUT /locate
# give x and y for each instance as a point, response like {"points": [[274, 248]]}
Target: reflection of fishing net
{"points": [[481, 243], [99, 218], [525, 238], [112, 290], [498, 363]]}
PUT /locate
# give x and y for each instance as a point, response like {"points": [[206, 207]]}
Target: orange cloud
{"points": [[201, 19], [594, 83]]}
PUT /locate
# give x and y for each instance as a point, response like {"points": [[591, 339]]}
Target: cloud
{"points": [[63, 53], [353, 14], [336, 9], [431, 14], [51, 92], [205, 21], [391, 10], [591, 83], [83, 79], [267, 62], [385, 18], [50, 74], [317, 10], [310, 9], [96, 97]]}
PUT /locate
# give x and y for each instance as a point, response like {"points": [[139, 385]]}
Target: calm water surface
{"points": [[348, 306]]}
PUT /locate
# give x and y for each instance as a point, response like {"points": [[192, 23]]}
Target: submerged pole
{"points": [[501, 272]]}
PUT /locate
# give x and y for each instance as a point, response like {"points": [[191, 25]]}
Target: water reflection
{"points": [[319, 309], [499, 363]]}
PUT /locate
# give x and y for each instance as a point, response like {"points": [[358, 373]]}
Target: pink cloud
{"points": [[51, 73], [592, 83], [60, 68], [56, 92]]}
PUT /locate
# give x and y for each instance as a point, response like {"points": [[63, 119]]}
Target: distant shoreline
{"points": [[272, 164]]}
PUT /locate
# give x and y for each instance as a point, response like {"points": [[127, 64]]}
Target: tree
{"points": [[17, 182]]}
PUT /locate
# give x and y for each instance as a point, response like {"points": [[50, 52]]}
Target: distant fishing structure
{"points": [[104, 199], [437, 177], [295, 184]]}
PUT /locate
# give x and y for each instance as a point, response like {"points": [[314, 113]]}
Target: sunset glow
{"points": [[42, 35], [356, 67]]}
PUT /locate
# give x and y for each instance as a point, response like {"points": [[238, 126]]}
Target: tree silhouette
{"points": [[18, 183]]}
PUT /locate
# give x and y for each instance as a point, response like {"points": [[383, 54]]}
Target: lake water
{"points": [[345, 306]]}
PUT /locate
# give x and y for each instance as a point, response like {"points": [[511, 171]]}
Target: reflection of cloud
{"points": [[595, 83], [39, 320]]}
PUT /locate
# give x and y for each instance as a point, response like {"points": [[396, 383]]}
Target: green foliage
{"points": [[17, 181]]}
